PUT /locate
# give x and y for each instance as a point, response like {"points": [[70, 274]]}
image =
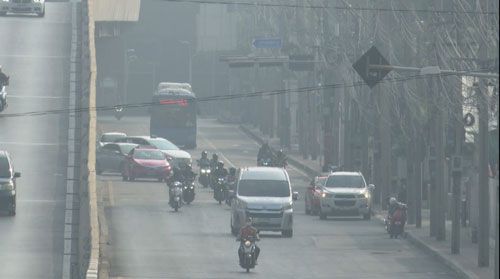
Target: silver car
{"points": [[265, 195], [110, 137], [346, 193]]}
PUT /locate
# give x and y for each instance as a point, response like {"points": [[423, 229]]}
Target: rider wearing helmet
{"points": [[248, 232], [280, 159], [265, 152], [204, 161], [214, 161], [220, 171]]}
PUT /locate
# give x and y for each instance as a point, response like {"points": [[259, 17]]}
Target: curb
{"points": [[309, 171], [415, 241]]}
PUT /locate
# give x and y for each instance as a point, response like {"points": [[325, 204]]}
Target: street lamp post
{"points": [[190, 60]]}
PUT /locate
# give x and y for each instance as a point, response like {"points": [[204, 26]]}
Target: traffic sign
{"points": [[369, 74], [267, 43]]}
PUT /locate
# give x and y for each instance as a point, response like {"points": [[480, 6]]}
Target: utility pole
{"points": [[457, 175], [440, 168], [385, 146], [483, 255]]}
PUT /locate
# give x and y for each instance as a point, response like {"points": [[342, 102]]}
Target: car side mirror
{"points": [[295, 195], [17, 174], [371, 187]]}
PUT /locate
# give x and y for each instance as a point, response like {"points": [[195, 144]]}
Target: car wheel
{"points": [[42, 14], [287, 233], [12, 211], [368, 215]]}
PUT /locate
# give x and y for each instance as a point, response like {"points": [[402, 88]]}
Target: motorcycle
{"points": [[177, 198], [265, 162], [119, 112], [394, 224], [220, 189], [230, 193], [3, 95], [188, 192], [248, 260], [204, 177]]}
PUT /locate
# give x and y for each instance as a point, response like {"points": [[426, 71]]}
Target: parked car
{"points": [[111, 156], [146, 162], [176, 156], [346, 193], [313, 194], [7, 184], [22, 7], [110, 137]]}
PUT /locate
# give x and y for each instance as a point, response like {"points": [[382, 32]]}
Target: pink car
{"points": [[146, 162]]}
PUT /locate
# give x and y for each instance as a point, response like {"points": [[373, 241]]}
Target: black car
{"points": [[7, 184], [110, 157]]}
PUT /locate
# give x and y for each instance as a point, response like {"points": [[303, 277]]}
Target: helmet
{"points": [[220, 164], [280, 151], [215, 157], [232, 171], [249, 220], [393, 201], [204, 154]]}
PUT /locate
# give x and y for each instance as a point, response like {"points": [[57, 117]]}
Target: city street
{"points": [[35, 53], [146, 239]]}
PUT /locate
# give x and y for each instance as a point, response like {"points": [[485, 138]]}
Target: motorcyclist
{"points": [[395, 205], [265, 152], [280, 159], [248, 232], [231, 178], [220, 171], [4, 79], [214, 161], [177, 176], [204, 161], [187, 173]]}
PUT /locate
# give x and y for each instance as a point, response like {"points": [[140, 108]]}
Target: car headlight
{"points": [[364, 195], [326, 195], [287, 206], [9, 186]]}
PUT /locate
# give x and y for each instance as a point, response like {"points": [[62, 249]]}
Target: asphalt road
{"points": [[35, 53], [148, 240]]}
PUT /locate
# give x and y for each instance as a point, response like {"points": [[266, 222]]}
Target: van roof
{"points": [[263, 173]]}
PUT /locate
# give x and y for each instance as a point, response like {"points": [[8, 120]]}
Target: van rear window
{"points": [[263, 188]]}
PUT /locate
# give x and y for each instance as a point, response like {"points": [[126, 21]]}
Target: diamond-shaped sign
{"points": [[370, 75]]}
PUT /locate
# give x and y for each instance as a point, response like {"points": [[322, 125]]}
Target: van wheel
{"points": [[12, 211], [368, 215]]}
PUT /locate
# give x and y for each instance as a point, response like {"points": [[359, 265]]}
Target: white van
{"points": [[265, 194]]}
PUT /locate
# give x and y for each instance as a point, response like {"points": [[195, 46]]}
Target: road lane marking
{"points": [[34, 56], [217, 150], [31, 143], [111, 194], [36, 97]]}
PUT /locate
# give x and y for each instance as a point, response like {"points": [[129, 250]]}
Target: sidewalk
{"points": [[464, 264]]}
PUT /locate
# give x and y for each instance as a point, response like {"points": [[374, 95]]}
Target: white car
{"points": [[346, 193], [22, 7]]}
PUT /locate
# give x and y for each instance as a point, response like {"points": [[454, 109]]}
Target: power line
{"points": [[311, 6], [215, 98]]}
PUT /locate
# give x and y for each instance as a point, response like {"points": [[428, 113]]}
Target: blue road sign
{"points": [[267, 43]]}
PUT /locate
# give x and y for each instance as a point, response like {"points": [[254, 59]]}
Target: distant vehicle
{"points": [[173, 116], [265, 194], [111, 156], [346, 193], [22, 7], [110, 137], [174, 154], [146, 162], [3, 94], [7, 184], [313, 195]]}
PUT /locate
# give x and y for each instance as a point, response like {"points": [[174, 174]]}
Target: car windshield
{"points": [[163, 144], [263, 188], [345, 181], [4, 168], [152, 154], [111, 137], [321, 181]]}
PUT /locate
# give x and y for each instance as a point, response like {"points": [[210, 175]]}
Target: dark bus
{"points": [[173, 116]]}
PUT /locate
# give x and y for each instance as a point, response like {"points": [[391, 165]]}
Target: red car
{"points": [[146, 162], [313, 193]]}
